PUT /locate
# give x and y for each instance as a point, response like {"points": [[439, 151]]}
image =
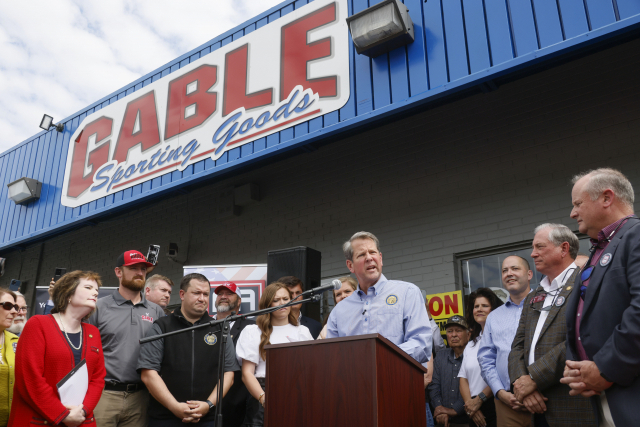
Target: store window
{"points": [[483, 268]]}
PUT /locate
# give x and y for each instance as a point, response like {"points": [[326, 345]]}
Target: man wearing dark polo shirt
{"points": [[181, 371], [123, 318]]}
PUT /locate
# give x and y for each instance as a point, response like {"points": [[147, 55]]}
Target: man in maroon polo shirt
{"points": [[603, 319]]}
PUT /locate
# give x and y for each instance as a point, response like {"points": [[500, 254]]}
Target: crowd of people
{"points": [[564, 354]]}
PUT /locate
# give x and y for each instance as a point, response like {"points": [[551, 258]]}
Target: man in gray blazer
{"points": [[603, 317], [537, 357]]}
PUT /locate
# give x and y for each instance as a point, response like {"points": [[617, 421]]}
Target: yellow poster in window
{"points": [[444, 305]]}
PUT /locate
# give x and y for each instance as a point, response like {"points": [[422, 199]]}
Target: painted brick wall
{"points": [[475, 173]]}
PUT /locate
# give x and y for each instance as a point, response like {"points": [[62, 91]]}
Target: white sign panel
{"points": [[283, 74]]}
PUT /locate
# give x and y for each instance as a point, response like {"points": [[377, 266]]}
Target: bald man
{"points": [[495, 346]]}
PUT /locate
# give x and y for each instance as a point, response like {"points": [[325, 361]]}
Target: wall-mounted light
{"points": [[47, 121], [24, 190], [381, 28]]}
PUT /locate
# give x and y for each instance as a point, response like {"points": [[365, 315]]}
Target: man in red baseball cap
{"points": [[123, 318], [228, 300]]}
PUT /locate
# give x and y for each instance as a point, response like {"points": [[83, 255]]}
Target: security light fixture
{"points": [[381, 28], [47, 121], [24, 190]]}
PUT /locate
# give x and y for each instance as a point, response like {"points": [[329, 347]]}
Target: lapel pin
{"points": [[606, 259], [569, 288], [560, 301]]}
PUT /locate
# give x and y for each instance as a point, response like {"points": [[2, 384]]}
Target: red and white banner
{"points": [[251, 280], [283, 74]]}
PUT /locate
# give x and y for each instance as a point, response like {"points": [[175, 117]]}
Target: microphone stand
{"points": [[224, 327]]}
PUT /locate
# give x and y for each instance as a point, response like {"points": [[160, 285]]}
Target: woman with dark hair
{"points": [[8, 343], [475, 392], [274, 328], [51, 346]]}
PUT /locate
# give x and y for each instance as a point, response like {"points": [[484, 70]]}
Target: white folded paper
{"points": [[73, 387]]}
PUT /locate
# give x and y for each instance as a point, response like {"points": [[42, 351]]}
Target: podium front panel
{"points": [[321, 385], [360, 381], [400, 390]]}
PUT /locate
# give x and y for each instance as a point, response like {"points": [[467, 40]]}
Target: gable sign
{"points": [[287, 72]]}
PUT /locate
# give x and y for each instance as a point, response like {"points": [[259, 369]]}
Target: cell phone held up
{"points": [[59, 273], [152, 254], [15, 285]]}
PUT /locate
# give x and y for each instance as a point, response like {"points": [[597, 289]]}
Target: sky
{"points": [[59, 57]]}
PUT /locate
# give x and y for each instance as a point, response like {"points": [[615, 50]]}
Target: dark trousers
{"points": [[539, 420], [178, 423], [255, 412], [488, 409]]}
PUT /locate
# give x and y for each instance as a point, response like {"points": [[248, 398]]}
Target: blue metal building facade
{"points": [[460, 45]]}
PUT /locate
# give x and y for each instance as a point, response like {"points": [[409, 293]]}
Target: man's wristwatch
{"points": [[211, 405], [482, 397]]}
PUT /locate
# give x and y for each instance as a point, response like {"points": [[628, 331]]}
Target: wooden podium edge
{"points": [[382, 339]]}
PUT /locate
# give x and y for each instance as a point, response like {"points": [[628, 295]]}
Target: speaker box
{"points": [[302, 262]]}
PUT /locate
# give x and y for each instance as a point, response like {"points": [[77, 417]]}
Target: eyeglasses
{"points": [[25, 308], [8, 306]]}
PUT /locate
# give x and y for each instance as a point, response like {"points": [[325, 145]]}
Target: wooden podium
{"points": [[359, 381]]}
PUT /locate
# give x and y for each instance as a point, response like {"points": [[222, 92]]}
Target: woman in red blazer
{"points": [[50, 346]]}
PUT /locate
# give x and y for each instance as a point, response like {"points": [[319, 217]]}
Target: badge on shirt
{"points": [[392, 299], [14, 345], [538, 298], [606, 259], [560, 301], [210, 338]]}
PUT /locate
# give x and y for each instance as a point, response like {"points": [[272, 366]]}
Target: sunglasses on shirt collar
{"points": [[548, 307], [584, 276]]}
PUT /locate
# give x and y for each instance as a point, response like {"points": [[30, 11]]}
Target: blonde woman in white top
{"points": [[278, 327]]}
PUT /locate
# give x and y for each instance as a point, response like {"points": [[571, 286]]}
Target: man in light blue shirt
{"points": [[392, 308], [495, 346]]}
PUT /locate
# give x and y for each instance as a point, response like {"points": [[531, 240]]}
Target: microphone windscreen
{"points": [[337, 284]]}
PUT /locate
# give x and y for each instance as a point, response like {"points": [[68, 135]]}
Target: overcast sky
{"points": [[57, 57]]}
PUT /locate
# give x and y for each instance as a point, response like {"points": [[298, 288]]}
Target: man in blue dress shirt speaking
{"points": [[392, 308]]}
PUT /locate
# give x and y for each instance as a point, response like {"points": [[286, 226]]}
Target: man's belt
{"points": [[129, 388]]}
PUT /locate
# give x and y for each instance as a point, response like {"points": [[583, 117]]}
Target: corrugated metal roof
{"points": [[458, 44]]}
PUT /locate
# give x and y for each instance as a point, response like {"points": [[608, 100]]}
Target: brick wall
{"points": [[475, 173]]}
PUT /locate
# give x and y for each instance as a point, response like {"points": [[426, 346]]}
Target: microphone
{"points": [[335, 285]]}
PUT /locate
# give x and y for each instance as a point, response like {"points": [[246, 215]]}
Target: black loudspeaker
{"points": [[302, 262]]}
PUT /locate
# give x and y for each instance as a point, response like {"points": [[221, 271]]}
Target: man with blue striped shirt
{"points": [[392, 308], [499, 331]]}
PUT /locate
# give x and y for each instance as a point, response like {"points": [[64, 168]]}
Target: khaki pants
{"points": [[122, 409], [507, 417]]}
